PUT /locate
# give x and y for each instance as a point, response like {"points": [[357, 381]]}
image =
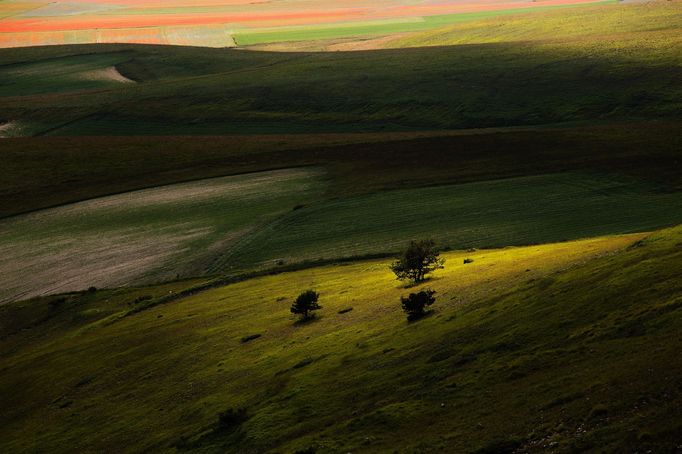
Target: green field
{"points": [[381, 28], [579, 27], [517, 211], [268, 220], [574, 344]]}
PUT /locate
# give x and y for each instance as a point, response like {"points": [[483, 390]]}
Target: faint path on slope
{"points": [[110, 73], [10, 129]]}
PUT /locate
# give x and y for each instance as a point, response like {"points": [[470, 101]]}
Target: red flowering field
{"points": [[213, 23]]}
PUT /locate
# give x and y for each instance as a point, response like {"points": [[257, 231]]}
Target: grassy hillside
{"points": [[46, 171], [267, 220], [241, 178], [577, 70], [571, 346], [484, 214], [607, 73]]}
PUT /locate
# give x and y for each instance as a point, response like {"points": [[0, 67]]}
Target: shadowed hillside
{"points": [[512, 74]]}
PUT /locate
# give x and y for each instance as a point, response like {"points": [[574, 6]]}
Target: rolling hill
{"points": [[279, 219], [493, 132], [517, 75], [161, 207], [567, 347]]}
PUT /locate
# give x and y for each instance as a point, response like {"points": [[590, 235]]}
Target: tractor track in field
{"points": [[68, 123]]}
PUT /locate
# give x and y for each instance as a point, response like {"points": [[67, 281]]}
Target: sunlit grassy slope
{"points": [[573, 345], [590, 27]]}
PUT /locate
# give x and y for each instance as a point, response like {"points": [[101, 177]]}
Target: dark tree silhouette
{"points": [[305, 304], [230, 419], [415, 304], [420, 258]]}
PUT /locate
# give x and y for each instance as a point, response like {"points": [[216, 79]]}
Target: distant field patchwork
{"points": [[216, 23]]}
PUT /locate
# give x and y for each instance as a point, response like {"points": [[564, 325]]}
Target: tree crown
{"points": [[305, 303], [419, 259], [415, 303]]}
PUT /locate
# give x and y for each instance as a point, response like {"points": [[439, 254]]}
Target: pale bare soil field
{"points": [[107, 74], [141, 236]]}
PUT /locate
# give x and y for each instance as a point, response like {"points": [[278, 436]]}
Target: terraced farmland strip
{"points": [[513, 211], [144, 235]]}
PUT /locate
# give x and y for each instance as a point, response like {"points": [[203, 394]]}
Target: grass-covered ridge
{"points": [[573, 344], [43, 172]]}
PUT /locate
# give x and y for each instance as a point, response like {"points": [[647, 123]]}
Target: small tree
{"points": [[415, 304], [230, 419], [305, 304], [420, 258]]}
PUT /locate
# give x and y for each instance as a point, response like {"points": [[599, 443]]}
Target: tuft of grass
{"points": [[250, 337]]}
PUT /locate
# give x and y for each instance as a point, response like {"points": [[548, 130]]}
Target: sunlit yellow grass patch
{"points": [[498, 333]]}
